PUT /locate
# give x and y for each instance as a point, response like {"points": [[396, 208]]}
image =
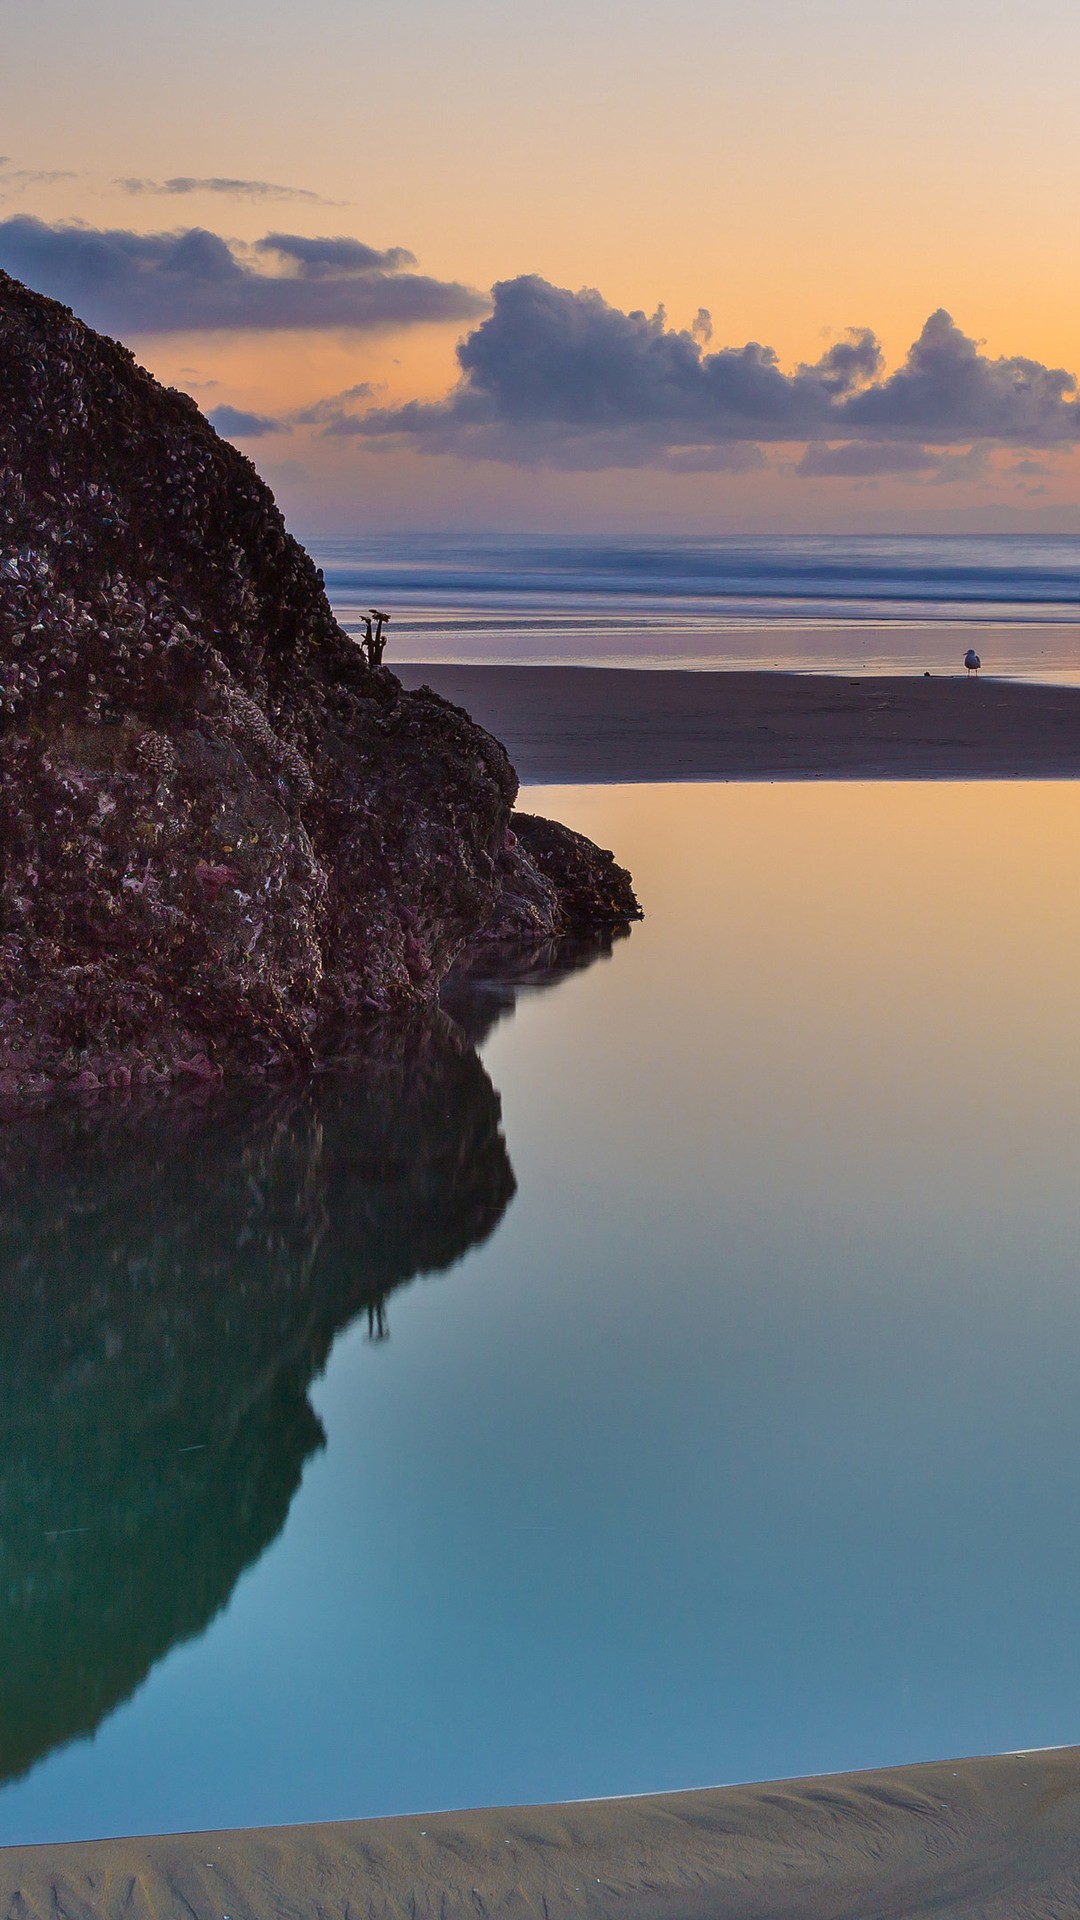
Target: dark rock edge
{"points": [[227, 845]]}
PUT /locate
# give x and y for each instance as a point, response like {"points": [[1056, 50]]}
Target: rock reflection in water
{"points": [[171, 1281], [483, 986]]}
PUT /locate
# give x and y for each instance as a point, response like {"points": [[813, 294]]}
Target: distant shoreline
{"points": [[982, 1839], [577, 725]]}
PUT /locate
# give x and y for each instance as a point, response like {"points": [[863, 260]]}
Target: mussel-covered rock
{"points": [[581, 885], [222, 835]]}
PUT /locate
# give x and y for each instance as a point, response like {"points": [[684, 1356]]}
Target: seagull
{"points": [[972, 661]]}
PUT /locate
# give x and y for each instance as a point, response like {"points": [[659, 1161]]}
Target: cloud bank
{"points": [[137, 283], [561, 378]]}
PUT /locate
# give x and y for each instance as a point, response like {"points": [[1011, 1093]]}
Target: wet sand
{"points": [[995, 1839], [594, 724]]}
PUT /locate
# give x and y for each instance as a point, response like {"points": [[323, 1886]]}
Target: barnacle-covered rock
{"points": [[557, 884], [222, 835]]}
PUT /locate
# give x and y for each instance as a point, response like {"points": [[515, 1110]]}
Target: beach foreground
{"points": [[968, 1838], [591, 724]]}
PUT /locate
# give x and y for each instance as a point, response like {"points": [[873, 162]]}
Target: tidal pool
{"points": [[729, 1427]]}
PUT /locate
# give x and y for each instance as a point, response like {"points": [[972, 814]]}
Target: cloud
{"points": [[857, 460], [947, 389], [847, 364], [872, 459], [135, 283], [322, 259], [561, 378], [17, 179], [237, 425], [971, 463], [184, 183], [738, 456], [332, 414]]}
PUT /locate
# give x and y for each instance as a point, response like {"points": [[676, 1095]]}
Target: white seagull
{"points": [[972, 661]]}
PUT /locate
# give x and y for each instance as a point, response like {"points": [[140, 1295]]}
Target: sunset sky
{"points": [[776, 172]]}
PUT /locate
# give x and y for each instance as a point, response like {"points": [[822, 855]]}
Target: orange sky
{"points": [[795, 168]]}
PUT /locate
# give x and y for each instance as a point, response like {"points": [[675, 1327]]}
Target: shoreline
{"points": [[619, 725], [977, 1839]]}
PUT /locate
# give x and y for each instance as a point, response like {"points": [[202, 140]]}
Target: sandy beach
{"points": [[975, 1839], [592, 724]]}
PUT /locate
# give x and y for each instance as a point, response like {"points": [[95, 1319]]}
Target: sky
{"points": [[716, 266]]}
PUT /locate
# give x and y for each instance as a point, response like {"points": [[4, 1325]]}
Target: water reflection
{"points": [[748, 1446], [171, 1281], [483, 987]]}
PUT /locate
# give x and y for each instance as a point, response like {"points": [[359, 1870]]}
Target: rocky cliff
{"points": [[226, 843]]}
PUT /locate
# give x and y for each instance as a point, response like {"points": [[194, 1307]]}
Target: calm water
{"points": [[741, 1439], [892, 605]]}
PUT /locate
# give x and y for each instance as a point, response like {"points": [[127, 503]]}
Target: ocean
{"points": [[897, 605]]}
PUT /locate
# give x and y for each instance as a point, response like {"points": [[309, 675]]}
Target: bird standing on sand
{"points": [[972, 661]]}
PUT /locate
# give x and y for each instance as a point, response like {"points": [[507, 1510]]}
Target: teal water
{"points": [[708, 1413]]}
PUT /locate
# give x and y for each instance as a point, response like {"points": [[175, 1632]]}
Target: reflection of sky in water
{"points": [[749, 1444]]}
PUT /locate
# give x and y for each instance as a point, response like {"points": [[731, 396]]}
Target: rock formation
{"points": [[225, 841]]}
